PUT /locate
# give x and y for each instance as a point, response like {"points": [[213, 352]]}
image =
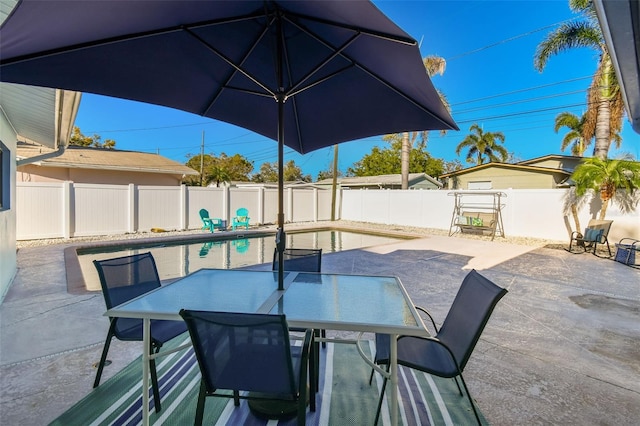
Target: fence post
{"points": [[68, 212], [131, 209], [261, 205], [315, 204], [184, 211], [289, 208]]}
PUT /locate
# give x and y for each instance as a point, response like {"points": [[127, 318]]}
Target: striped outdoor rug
{"points": [[345, 397]]}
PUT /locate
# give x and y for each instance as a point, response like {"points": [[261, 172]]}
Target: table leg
{"points": [[393, 370], [146, 356]]}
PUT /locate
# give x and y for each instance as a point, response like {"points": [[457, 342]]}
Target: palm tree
{"points": [[217, 174], [603, 119], [481, 144], [574, 137], [609, 177], [433, 65]]}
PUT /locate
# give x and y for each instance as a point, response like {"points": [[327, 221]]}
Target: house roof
{"points": [[103, 159], [380, 180], [518, 166], [550, 157]]}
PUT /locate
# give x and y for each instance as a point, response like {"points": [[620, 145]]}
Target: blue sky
{"points": [[489, 80]]}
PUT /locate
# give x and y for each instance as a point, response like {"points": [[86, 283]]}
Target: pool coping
{"points": [[75, 279]]}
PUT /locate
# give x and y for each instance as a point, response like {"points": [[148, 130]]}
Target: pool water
{"points": [[175, 261]]}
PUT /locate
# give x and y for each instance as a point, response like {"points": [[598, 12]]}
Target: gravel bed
{"points": [[347, 225]]}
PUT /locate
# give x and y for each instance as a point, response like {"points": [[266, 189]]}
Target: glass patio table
{"points": [[359, 303]]}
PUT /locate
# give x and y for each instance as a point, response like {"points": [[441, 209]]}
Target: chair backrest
{"points": [[299, 260], [240, 351], [468, 315], [124, 278], [204, 214], [242, 212], [597, 230]]}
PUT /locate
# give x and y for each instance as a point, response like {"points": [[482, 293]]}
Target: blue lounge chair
{"points": [[241, 219], [210, 223]]}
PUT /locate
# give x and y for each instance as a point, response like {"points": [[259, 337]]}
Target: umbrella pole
{"points": [[281, 240], [280, 235]]}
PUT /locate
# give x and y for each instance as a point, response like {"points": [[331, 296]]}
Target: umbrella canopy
{"points": [[308, 74]]}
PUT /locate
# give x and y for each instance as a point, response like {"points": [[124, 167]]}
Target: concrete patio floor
{"points": [[563, 347]]}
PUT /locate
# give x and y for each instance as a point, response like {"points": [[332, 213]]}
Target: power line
{"points": [[489, 46]]}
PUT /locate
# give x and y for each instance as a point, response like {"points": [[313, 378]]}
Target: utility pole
{"points": [[202, 160]]}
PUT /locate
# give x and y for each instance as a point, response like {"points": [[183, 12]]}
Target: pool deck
{"points": [[563, 347]]}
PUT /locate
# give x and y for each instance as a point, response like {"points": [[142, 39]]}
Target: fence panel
{"points": [[159, 207], [211, 199], [324, 205], [100, 209], [304, 201], [247, 198], [39, 210]]}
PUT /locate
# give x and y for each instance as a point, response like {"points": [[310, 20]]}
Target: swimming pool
{"points": [[176, 260]]}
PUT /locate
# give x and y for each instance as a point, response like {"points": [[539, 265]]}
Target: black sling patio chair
{"points": [[252, 354], [122, 279], [446, 354], [596, 232]]}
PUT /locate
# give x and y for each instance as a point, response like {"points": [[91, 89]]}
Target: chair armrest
{"points": [[423, 310], [439, 342]]}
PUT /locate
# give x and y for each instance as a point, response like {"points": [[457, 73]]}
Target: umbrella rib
{"points": [[378, 34], [123, 38], [236, 67]]}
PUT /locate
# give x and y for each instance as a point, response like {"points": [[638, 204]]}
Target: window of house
{"points": [[5, 178], [485, 184]]}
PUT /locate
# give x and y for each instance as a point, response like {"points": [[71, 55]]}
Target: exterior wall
{"points": [[8, 213], [33, 173], [506, 179]]}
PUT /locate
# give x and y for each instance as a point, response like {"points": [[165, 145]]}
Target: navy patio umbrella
{"points": [[308, 74]]}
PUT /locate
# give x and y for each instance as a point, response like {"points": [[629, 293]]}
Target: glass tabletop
{"points": [[348, 302], [207, 290]]}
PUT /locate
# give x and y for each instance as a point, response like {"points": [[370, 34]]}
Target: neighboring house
{"points": [[34, 114], [547, 172], [416, 181], [97, 165]]}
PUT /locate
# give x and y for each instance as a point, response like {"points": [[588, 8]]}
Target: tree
{"points": [[327, 174], [603, 119], [387, 161], [218, 169], [575, 136], [433, 65], [218, 174], [616, 180], [95, 141], [291, 173], [481, 144]]}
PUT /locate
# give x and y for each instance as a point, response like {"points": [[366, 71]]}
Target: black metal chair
{"points": [[123, 279], [250, 352], [446, 354], [595, 233]]}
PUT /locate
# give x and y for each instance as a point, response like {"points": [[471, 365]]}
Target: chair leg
{"points": [[473, 406], [200, 407], [458, 385], [323, 333], [105, 351], [236, 398], [154, 382], [384, 387]]}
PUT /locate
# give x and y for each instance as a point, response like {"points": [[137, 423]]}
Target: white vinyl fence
{"points": [[63, 210]]}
